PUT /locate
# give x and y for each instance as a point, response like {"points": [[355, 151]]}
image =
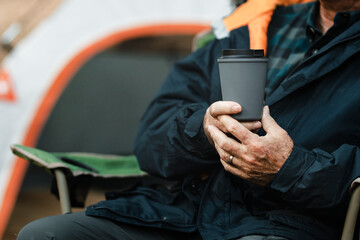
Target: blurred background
{"points": [[76, 76]]}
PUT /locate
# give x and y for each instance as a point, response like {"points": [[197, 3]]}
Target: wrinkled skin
{"points": [[256, 158]]}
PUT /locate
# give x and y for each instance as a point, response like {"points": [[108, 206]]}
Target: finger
{"points": [[269, 124], [224, 156], [219, 124], [238, 130], [224, 145], [252, 126], [224, 107], [234, 170]]}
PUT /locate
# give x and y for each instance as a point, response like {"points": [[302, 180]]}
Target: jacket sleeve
{"points": [[317, 179], [171, 140]]}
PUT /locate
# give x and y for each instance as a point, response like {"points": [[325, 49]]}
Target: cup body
{"points": [[243, 79]]}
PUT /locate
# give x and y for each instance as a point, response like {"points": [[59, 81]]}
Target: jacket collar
{"points": [[319, 64]]}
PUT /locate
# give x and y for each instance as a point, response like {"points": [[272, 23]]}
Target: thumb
{"points": [[268, 123]]}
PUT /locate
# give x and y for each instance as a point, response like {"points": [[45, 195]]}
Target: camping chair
{"points": [[71, 168]]}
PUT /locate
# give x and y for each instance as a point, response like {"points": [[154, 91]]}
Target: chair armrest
{"points": [[352, 212]]}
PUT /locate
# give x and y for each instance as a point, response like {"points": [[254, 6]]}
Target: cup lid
{"points": [[242, 53]]}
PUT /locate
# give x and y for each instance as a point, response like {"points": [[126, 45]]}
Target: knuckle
{"points": [[210, 110], [213, 109], [224, 157], [232, 128], [249, 159], [224, 145], [208, 129], [256, 146], [252, 160]]}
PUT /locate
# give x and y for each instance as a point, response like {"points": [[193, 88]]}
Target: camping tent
{"points": [[35, 73]]}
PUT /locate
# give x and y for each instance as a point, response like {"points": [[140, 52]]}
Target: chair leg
{"points": [[63, 191], [351, 216]]}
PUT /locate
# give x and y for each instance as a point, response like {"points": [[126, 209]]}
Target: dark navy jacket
{"points": [[318, 104]]}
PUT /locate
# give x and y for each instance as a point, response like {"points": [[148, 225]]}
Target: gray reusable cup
{"points": [[243, 77]]}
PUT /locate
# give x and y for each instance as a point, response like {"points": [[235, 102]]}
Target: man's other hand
{"points": [[255, 158]]}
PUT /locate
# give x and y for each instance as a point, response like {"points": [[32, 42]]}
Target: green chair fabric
{"points": [[76, 164], [74, 171]]}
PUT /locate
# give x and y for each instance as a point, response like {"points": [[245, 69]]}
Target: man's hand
{"points": [[256, 158], [224, 108]]}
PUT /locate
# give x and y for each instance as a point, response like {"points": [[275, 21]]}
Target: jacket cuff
{"points": [[195, 132], [293, 169]]}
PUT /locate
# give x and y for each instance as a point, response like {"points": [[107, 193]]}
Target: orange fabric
{"points": [[258, 31], [257, 15], [6, 88]]}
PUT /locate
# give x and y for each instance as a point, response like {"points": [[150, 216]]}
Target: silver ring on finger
{"points": [[231, 159]]}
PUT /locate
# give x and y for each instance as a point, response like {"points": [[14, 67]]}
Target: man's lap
{"points": [[80, 226]]}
